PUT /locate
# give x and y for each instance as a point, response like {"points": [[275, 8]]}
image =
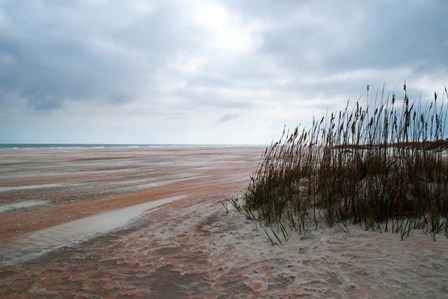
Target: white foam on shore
{"points": [[35, 244], [23, 205]]}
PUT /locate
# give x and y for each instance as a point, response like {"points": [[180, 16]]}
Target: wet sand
{"points": [[188, 246], [82, 182]]}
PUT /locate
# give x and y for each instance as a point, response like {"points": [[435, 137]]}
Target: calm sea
{"points": [[59, 145]]}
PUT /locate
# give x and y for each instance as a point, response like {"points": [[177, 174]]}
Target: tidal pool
{"points": [[35, 244]]}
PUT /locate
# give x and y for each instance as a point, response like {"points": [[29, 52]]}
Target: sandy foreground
{"points": [[148, 222]]}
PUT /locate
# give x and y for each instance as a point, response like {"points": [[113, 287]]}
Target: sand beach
{"points": [[149, 223]]}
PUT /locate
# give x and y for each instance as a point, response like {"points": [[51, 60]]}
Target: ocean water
{"points": [[100, 145], [75, 145]]}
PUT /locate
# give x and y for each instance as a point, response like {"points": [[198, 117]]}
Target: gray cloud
{"points": [[227, 117], [316, 39], [84, 51]]}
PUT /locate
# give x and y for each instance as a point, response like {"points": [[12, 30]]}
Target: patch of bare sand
{"points": [[196, 250]]}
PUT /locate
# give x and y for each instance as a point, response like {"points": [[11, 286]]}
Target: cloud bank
{"points": [[110, 71]]}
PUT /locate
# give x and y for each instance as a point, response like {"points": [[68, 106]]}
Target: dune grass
{"points": [[381, 166]]}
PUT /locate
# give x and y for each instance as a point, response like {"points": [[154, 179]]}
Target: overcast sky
{"points": [[208, 72]]}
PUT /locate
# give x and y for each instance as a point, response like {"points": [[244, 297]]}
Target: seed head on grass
{"points": [[381, 167]]}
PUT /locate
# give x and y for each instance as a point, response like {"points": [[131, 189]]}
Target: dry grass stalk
{"points": [[378, 166]]}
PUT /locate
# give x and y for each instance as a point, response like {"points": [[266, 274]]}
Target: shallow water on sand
{"points": [[35, 244], [23, 205], [26, 187]]}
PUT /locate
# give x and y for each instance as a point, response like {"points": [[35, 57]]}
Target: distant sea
{"points": [[59, 145]]}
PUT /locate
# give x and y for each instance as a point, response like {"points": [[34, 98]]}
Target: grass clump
{"points": [[381, 166]]}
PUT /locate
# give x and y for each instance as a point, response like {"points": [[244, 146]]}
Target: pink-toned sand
{"points": [[190, 247]]}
